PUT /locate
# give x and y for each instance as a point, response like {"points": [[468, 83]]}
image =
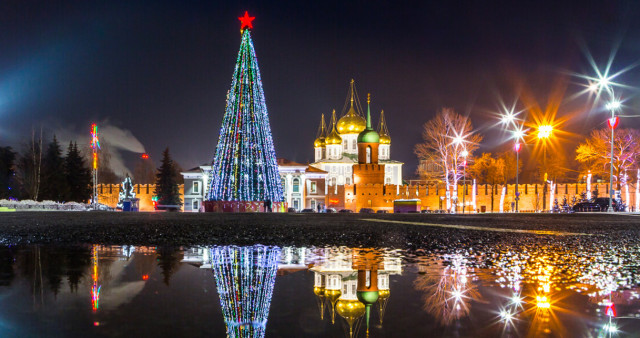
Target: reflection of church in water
{"points": [[348, 282]]}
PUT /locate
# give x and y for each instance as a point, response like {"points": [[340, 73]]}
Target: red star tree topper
{"points": [[245, 21]]}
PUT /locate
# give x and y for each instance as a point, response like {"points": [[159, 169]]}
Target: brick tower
{"points": [[368, 175]]}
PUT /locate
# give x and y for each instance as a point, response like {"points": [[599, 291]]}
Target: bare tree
{"points": [[29, 167], [445, 139], [595, 153]]}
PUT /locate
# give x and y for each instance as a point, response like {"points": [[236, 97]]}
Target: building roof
{"points": [[287, 163], [312, 169]]}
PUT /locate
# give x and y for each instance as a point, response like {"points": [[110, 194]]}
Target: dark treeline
{"points": [[44, 172], [58, 267]]}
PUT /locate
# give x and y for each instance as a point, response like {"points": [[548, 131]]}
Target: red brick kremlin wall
{"points": [[108, 194], [381, 197]]}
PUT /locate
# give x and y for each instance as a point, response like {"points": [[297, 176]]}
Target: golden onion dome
{"points": [[350, 309], [351, 123], [332, 295], [384, 294], [319, 142], [318, 291], [333, 138], [385, 139]]}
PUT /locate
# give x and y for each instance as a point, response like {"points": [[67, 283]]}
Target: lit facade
{"points": [[303, 186], [336, 148]]}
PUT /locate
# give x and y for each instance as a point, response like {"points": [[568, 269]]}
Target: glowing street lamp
{"points": [[613, 105], [545, 131]]}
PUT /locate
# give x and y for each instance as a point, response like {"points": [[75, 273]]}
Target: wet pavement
{"points": [[64, 274]]}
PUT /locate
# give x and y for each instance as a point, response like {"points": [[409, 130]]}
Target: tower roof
{"points": [[320, 137], [334, 137], [385, 138], [368, 135]]}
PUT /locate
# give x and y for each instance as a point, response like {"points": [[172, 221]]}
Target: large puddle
{"points": [[256, 291]]}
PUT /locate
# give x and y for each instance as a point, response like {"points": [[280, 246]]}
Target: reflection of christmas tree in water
{"points": [[245, 277]]}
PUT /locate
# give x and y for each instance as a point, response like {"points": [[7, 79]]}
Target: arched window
{"points": [[353, 145], [296, 185], [368, 154]]}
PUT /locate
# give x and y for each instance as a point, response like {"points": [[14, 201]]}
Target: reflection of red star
{"points": [[245, 21]]}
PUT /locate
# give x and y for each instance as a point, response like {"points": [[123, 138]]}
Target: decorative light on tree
{"points": [[127, 192], [473, 197], [638, 191], [244, 167], [589, 185], [245, 277], [552, 186], [95, 146], [626, 187]]}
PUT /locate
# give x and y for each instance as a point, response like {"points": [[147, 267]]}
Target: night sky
{"points": [[161, 69]]}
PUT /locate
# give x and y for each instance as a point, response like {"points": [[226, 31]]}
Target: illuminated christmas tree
{"points": [[245, 277], [244, 167]]}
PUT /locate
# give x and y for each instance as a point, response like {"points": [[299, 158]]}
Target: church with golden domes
{"points": [[338, 148]]}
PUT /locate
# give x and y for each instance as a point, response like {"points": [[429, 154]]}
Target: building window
{"points": [[296, 204], [196, 187], [348, 181], [296, 185], [313, 187], [368, 154], [284, 184], [195, 205], [387, 180], [353, 145]]}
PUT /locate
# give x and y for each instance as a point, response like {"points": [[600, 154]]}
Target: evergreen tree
{"points": [[244, 167], [53, 185], [166, 182], [78, 259], [78, 175], [168, 259], [8, 186]]}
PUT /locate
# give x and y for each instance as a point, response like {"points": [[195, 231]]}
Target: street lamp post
{"points": [[613, 123], [604, 83], [544, 132]]}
